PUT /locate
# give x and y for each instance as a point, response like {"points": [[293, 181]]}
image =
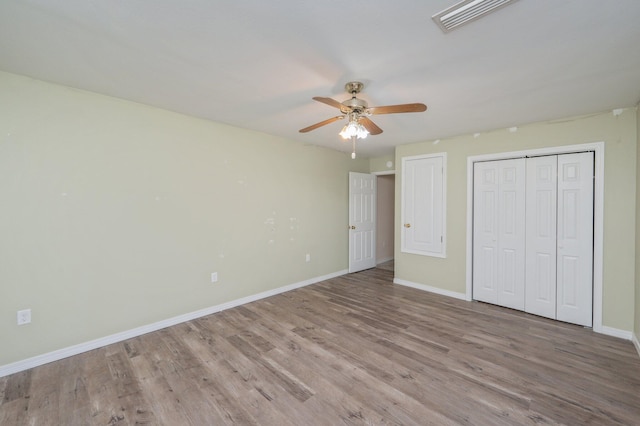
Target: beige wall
{"points": [[619, 135], [115, 214]]}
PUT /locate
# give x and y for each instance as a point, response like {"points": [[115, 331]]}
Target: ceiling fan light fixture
{"points": [[466, 11], [354, 129], [357, 111]]}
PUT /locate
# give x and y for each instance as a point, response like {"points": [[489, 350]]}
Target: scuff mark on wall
{"points": [[293, 228], [272, 227]]}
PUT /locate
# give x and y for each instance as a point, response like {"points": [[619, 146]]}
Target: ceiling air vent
{"points": [[466, 11]]}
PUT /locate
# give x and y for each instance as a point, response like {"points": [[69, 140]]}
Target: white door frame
{"points": [[598, 214]]}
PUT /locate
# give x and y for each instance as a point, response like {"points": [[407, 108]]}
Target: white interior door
{"points": [[575, 239], [540, 281], [499, 232], [423, 205], [362, 221]]}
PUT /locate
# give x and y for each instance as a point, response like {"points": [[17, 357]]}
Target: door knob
{"points": [[407, 225]]}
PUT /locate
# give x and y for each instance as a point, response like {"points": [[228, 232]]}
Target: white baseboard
{"points": [[615, 332], [386, 259], [430, 289], [636, 342], [59, 354]]}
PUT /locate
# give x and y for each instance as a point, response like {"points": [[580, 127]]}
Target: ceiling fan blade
{"points": [[371, 127], [322, 123], [393, 109], [328, 101]]}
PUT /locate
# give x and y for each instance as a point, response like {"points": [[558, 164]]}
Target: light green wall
{"points": [[114, 214], [636, 328], [379, 164], [619, 135]]}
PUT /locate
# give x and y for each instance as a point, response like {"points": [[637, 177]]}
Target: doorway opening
{"points": [[385, 215]]}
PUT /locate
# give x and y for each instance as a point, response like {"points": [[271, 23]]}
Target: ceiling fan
{"points": [[358, 112]]}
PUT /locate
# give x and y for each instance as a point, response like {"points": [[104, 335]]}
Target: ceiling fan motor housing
{"points": [[353, 105]]}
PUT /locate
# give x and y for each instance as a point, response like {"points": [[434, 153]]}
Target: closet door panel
{"points": [[485, 232], [575, 239], [511, 234], [498, 244], [540, 281]]}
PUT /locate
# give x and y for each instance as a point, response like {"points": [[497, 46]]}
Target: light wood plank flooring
{"points": [[354, 350]]}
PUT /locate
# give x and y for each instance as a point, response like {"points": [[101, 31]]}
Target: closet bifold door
{"points": [[499, 232], [541, 242], [575, 239]]}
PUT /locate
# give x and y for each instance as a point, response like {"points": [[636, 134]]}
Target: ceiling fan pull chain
{"points": [[353, 142]]}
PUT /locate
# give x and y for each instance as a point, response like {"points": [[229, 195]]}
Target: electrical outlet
{"points": [[214, 277], [24, 316], [308, 257]]}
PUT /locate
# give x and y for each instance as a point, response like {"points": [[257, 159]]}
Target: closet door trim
{"points": [[598, 214]]}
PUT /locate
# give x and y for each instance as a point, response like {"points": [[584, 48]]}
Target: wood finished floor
{"points": [[354, 350]]}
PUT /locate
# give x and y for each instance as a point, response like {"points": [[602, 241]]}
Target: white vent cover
{"points": [[466, 11]]}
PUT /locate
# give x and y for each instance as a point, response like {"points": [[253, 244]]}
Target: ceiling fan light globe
{"points": [[351, 129], [344, 133]]}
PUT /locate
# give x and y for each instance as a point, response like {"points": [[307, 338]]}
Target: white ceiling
{"points": [[256, 64]]}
